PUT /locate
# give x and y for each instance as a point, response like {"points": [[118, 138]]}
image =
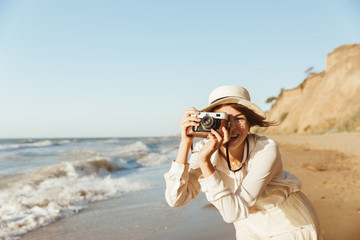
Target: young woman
{"points": [[240, 173]]}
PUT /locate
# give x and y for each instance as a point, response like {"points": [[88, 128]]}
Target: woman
{"points": [[240, 173]]}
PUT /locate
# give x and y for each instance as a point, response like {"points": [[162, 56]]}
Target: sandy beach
{"points": [[328, 166]]}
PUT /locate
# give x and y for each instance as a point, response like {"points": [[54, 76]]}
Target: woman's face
{"points": [[239, 126]]}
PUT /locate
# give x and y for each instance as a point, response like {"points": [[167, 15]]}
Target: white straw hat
{"points": [[232, 94]]}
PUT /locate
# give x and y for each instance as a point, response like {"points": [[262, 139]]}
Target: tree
{"points": [[271, 99], [309, 72]]}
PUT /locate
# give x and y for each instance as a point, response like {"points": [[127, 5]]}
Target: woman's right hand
{"points": [[188, 120]]}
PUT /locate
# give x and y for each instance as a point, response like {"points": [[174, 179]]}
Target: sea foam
{"points": [[58, 191], [43, 181], [32, 144]]}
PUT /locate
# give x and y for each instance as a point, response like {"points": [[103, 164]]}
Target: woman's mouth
{"points": [[233, 139], [234, 136]]}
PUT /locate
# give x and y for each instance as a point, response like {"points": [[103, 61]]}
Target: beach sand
{"points": [[328, 166]]}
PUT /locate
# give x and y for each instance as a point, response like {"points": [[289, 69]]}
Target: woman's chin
{"points": [[236, 142]]}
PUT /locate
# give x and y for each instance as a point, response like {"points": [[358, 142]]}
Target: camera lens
{"points": [[207, 122]]}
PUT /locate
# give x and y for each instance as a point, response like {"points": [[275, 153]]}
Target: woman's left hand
{"points": [[216, 141]]}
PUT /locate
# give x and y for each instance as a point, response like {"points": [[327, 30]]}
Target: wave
{"points": [[59, 191], [135, 149], [113, 140], [142, 154], [81, 173], [152, 159], [31, 144]]}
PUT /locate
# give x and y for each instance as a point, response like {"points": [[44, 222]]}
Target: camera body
{"points": [[209, 120]]}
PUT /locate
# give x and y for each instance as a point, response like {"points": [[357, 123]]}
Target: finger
{"points": [[213, 139], [190, 117], [218, 137], [191, 108], [226, 135], [190, 120], [189, 124], [186, 124], [194, 119], [192, 111]]}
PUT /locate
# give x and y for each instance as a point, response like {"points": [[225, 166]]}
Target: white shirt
{"points": [[261, 184]]}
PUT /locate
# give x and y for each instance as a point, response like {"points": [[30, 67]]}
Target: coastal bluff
{"points": [[328, 101]]}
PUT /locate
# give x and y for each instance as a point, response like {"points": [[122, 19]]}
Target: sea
{"points": [[45, 180]]}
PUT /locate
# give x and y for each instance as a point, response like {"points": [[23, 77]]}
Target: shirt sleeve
{"points": [[181, 184], [234, 206]]}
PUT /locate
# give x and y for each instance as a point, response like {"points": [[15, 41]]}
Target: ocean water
{"points": [[45, 180]]}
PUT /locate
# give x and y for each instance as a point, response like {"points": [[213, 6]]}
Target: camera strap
{"points": [[243, 163]]}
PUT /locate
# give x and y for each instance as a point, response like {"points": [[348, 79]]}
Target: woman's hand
{"points": [[216, 141], [226, 134], [186, 141], [188, 120]]}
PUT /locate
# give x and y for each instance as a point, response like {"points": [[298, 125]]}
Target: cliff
{"points": [[325, 102]]}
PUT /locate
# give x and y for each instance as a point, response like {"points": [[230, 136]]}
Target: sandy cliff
{"points": [[325, 102]]}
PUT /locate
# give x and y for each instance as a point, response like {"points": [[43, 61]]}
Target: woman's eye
{"points": [[240, 118]]}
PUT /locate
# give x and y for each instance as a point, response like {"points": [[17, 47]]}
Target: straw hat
{"points": [[232, 94]]}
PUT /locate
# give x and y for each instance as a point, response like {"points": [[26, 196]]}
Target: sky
{"points": [[91, 68]]}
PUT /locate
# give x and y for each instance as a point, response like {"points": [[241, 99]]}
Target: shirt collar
{"points": [[221, 163]]}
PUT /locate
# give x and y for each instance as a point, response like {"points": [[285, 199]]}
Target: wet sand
{"points": [[140, 215], [328, 165]]}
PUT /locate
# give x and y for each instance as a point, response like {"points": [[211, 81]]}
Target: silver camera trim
{"points": [[222, 115]]}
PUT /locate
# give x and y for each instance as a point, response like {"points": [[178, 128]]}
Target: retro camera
{"points": [[209, 120]]}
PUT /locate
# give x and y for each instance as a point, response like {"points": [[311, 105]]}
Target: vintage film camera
{"points": [[209, 120]]}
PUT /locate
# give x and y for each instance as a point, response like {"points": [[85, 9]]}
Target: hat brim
{"points": [[253, 107]]}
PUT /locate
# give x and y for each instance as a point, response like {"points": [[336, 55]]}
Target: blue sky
{"points": [[131, 68]]}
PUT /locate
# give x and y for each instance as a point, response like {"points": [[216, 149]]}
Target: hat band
{"points": [[216, 100]]}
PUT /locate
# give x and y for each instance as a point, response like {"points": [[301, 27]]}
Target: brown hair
{"points": [[253, 118]]}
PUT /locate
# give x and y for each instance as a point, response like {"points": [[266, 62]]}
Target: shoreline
{"points": [[328, 166], [139, 215]]}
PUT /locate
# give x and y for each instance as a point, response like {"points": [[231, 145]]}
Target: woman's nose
{"points": [[232, 121]]}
